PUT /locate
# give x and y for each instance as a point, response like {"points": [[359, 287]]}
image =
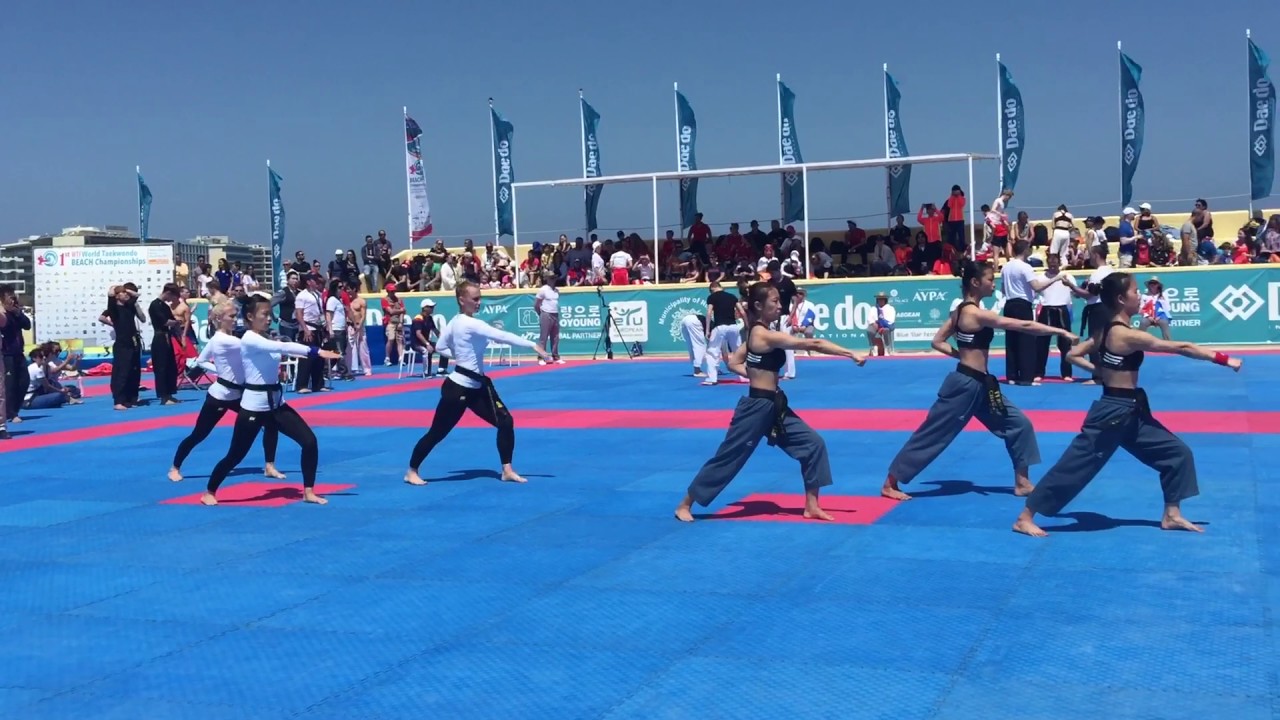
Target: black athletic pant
{"points": [[311, 370], [455, 400], [210, 415], [1058, 316], [164, 367], [16, 380], [288, 422], [1020, 348], [126, 371]]}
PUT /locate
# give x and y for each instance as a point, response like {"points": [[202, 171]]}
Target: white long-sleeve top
{"points": [[465, 340], [221, 355], [260, 361]]}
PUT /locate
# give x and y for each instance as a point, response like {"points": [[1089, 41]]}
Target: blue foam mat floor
{"points": [[578, 596]]}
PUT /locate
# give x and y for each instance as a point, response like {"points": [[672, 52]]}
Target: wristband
{"points": [[313, 352], [1220, 358]]}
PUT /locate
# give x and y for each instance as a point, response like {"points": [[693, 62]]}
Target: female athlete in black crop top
{"points": [[1121, 418], [763, 413], [970, 391]]}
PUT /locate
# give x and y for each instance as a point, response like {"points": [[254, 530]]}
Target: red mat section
{"points": [[183, 418], [258, 494], [771, 507], [1067, 421]]}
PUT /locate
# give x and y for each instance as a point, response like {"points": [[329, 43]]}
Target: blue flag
{"points": [[144, 208], [1013, 131], [503, 173], [899, 176], [277, 227], [686, 138], [1132, 123], [1262, 107], [789, 154], [591, 162]]}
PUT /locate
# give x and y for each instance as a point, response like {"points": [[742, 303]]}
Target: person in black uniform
{"points": [[164, 365], [1122, 418], [764, 413], [971, 391], [721, 326], [123, 314]]}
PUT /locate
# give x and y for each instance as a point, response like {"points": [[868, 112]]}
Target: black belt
{"points": [[230, 385], [499, 408], [1138, 395], [270, 390], [1009, 300], [995, 398], [777, 431]]}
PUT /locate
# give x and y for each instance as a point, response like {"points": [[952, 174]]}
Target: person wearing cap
{"points": [[393, 325], [1154, 309], [1128, 238], [465, 339], [310, 315], [1122, 417], [425, 334], [880, 330]]}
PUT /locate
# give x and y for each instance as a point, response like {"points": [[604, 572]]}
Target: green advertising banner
{"points": [[1236, 304]]}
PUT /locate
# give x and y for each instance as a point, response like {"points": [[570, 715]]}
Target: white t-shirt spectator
{"points": [[1059, 293], [202, 284], [620, 259], [1016, 276], [645, 271], [550, 298], [597, 268], [334, 305], [37, 380], [309, 303]]}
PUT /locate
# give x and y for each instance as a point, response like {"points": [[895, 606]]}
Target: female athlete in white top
{"points": [[262, 401], [467, 388], [221, 355]]}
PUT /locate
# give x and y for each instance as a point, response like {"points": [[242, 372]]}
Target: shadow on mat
{"points": [[749, 509], [951, 488], [1093, 522], [458, 475], [284, 493]]}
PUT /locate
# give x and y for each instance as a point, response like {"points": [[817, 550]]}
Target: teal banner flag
{"points": [[1013, 131], [503, 173], [277, 227], [144, 208], [686, 138], [591, 162], [789, 154], [1133, 120], [1262, 110], [899, 176]]}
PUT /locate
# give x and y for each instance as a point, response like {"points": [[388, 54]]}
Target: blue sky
{"points": [[201, 94]]}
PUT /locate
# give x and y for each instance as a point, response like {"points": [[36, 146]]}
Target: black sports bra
{"points": [[1111, 361], [980, 340], [771, 361]]}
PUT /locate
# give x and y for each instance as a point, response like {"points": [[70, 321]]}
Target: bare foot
{"points": [[1022, 487], [413, 478], [270, 471], [684, 513], [309, 495], [1027, 527], [817, 513], [208, 499], [891, 491], [512, 476], [117, 407], [1177, 522], [175, 475]]}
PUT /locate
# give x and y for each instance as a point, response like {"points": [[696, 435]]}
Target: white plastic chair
{"points": [[493, 356], [409, 360], [288, 371]]}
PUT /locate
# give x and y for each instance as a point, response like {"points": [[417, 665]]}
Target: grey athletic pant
{"points": [[758, 416], [964, 395], [1121, 418]]}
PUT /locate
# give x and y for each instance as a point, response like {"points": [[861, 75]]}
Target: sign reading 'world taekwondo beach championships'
{"points": [[70, 284]]}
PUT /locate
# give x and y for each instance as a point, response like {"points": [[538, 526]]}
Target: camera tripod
{"points": [[609, 323]]}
